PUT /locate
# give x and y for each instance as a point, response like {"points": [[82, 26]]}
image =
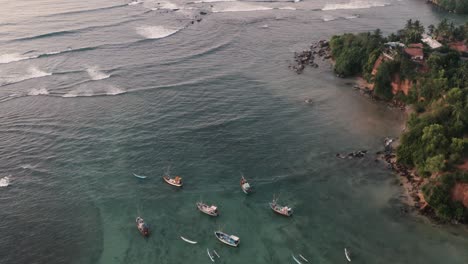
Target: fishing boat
{"points": [[208, 209], [246, 188], [139, 176], [142, 226], [230, 240], [296, 260], [282, 210], [188, 240], [347, 254], [176, 181], [209, 254]]}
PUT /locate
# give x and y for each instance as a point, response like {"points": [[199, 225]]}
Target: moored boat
{"points": [[142, 226], [246, 188], [282, 210], [208, 209], [230, 240], [176, 181]]}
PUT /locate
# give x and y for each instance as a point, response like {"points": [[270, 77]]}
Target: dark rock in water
{"points": [[199, 20], [191, 22], [203, 13]]}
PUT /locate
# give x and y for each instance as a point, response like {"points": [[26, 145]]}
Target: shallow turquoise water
{"points": [[213, 100]]}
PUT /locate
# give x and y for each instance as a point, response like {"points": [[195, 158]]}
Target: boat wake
{"points": [[156, 32], [96, 74], [33, 72], [355, 4]]}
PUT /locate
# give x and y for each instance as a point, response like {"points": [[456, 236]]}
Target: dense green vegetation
{"points": [[458, 6], [438, 196], [436, 140]]}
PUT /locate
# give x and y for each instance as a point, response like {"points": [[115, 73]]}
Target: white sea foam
{"points": [[240, 7], [287, 8], [355, 4], [166, 6], [38, 91], [33, 72], [155, 32], [327, 18], [212, 1], [114, 91], [5, 181], [136, 2], [352, 17], [12, 57], [96, 74], [264, 26]]}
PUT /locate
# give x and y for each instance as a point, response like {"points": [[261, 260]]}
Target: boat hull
{"points": [[168, 181], [219, 237], [200, 208], [272, 206]]}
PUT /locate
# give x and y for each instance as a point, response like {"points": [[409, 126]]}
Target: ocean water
{"points": [[94, 91]]}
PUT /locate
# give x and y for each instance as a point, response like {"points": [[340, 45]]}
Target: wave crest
{"points": [[38, 91], [354, 4], [96, 74], [155, 32]]}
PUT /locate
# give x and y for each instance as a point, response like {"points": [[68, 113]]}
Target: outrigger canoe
{"points": [[230, 240], [246, 188], [142, 226], [177, 181], [208, 209], [282, 210]]}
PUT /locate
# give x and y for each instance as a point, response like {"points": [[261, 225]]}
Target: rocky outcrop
{"points": [[320, 49]]}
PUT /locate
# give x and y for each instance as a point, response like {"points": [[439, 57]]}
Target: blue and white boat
{"points": [[230, 240]]}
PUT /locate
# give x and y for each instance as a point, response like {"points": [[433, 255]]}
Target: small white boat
{"points": [[347, 254], [209, 255], [230, 240], [5, 181], [246, 188], [188, 240], [208, 209], [139, 176], [176, 181]]}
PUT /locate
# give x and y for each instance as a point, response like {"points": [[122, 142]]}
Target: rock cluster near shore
{"points": [[411, 181], [320, 49]]}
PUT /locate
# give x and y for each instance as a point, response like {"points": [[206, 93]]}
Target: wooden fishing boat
{"points": [[176, 181], [188, 240], [230, 240], [282, 210], [142, 226], [246, 188], [208, 209]]}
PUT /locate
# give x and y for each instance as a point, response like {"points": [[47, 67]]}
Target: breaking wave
{"points": [[155, 32], [115, 91], [354, 4], [241, 7], [12, 57], [166, 5], [38, 91], [33, 72], [96, 74], [136, 2]]}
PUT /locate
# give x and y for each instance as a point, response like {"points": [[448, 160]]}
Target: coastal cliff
{"points": [[426, 72]]}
